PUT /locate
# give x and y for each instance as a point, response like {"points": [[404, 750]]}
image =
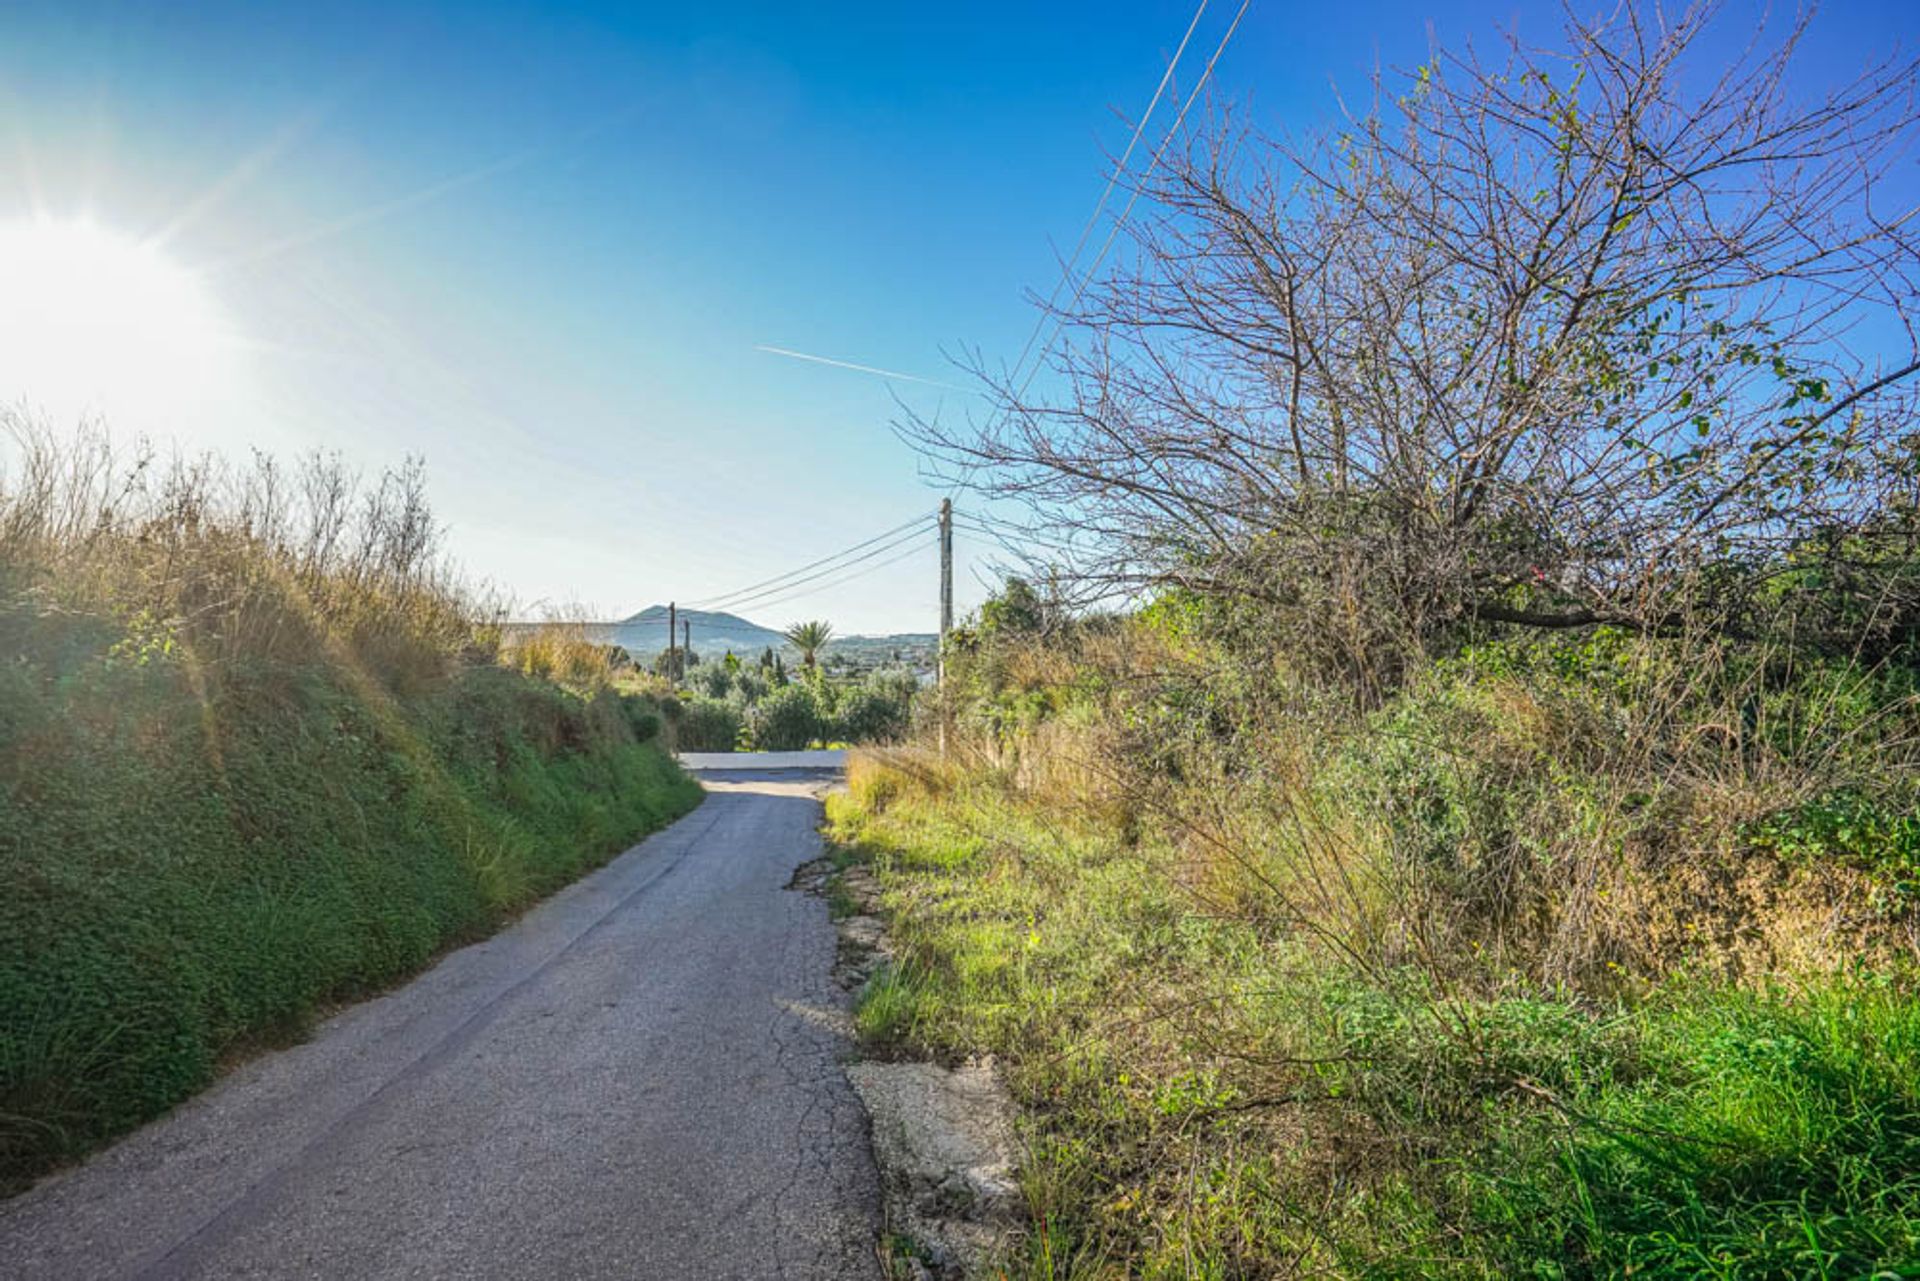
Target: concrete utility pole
{"points": [[946, 611], [673, 634]]}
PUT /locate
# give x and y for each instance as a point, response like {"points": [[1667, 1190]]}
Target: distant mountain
{"points": [[716, 633], [713, 633]]}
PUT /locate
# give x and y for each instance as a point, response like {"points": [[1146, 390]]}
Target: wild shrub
{"points": [[563, 651], [1482, 975], [714, 680], [788, 719], [878, 710], [708, 725]]}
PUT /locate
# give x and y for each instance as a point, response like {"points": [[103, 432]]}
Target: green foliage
{"points": [[788, 719], [809, 638], [1847, 826], [1205, 1098], [1712, 1133], [709, 725], [733, 709], [750, 687], [1015, 610], [715, 680], [1433, 986], [888, 1005], [643, 718], [878, 710], [192, 868]]}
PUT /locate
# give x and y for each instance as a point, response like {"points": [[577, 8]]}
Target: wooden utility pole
{"points": [[673, 634], [946, 568], [686, 641], [946, 612]]}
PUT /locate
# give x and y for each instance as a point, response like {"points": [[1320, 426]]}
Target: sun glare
{"points": [[92, 323]]}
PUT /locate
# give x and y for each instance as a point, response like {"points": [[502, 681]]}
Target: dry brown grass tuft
{"points": [[879, 776], [263, 564], [562, 650]]}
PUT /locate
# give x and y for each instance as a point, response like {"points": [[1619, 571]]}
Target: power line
{"points": [[780, 582], [1030, 550], [1066, 270], [1006, 535], [1000, 522], [863, 558], [1152, 164], [1093, 219], [1040, 359], [858, 573], [1000, 527], [758, 598], [765, 582]]}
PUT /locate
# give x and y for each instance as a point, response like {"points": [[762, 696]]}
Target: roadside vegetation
{"points": [[732, 704], [258, 756], [1487, 846], [1513, 974]]}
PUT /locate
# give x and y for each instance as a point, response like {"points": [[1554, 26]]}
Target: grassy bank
{"points": [[1515, 975], [241, 781]]}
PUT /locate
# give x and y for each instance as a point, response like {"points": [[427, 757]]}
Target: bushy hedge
{"points": [[878, 710]]}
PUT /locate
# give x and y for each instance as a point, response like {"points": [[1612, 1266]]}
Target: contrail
{"points": [[245, 171], [864, 369], [380, 212], [429, 193]]}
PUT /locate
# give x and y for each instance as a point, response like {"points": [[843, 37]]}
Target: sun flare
{"points": [[92, 323]]}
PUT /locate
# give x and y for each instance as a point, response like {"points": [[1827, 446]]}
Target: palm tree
{"points": [[809, 638]]}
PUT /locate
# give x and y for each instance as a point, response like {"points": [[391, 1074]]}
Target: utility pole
{"points": [[686, 643], [946, 612], [946, 567], [673, 634]]}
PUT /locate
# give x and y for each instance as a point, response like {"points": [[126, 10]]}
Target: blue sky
{"points": [[541, 245]]}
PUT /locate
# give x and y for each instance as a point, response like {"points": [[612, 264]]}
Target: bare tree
{"points": [[1588, 334]]}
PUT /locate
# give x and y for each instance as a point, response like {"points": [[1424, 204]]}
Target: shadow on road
{"points": [[818, 777]]}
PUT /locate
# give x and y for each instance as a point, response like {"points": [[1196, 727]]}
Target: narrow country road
{"points": [[640, 1079]]}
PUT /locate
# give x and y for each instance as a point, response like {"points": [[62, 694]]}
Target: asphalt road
{"points": [[641, 1079]]}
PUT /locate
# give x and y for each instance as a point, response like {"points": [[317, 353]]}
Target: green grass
{"points": [[889, 1005], [1207, 1097], [190, 869]]}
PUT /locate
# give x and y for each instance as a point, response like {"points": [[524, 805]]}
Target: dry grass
{"points": [[563, 649], [307, 563]]}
